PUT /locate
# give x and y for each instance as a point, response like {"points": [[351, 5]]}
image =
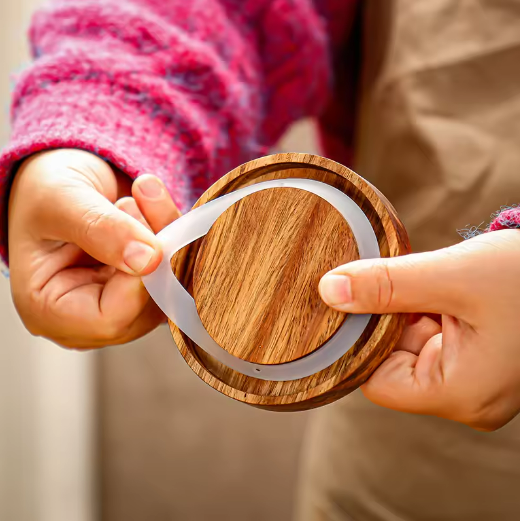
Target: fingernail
{"points": [[336, 289], [129, 206], [151, 187], [138, 255]]}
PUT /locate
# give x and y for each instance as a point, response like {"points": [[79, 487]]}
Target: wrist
{"points": [[52, 167]]}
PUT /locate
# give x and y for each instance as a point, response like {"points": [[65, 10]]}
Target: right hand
{"points": [[75, 256], [459, 358]]}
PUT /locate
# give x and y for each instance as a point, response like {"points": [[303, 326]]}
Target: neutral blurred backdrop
{"points": [[128, 433], [47, 420]]}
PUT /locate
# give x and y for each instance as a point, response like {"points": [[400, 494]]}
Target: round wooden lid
{"points": [[256, 275], [254, 278]]}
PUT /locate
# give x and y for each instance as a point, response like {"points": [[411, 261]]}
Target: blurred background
{"points": [[129, 433]]}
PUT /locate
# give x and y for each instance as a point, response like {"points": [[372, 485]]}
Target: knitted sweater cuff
{"points": [[507, 218], [76, 115]]}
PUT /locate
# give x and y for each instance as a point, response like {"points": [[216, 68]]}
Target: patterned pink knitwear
{"points": [[184, 89]]}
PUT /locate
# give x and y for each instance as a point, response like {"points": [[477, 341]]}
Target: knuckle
{"points": [[95, 222], [70, 344], [27, 306], [484, 423], [37, 313], [385, 287], [32, 328], [485, 415], [111, 331]]}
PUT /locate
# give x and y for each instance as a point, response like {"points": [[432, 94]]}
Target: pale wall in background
{"points": [[46, 393]]}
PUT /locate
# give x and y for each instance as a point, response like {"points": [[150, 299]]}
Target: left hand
{"points": [[75, 258], [460, 357]]}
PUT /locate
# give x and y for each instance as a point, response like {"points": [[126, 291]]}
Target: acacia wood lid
{"points": [[254, 278]]}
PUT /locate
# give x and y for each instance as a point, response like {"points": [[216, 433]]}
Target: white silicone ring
{"points": [[178, 305]]}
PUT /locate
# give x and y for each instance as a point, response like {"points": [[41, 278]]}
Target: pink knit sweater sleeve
{"points": [[182, 89]]}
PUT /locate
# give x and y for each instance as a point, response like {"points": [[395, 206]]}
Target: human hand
{"points": [[463, 367], [75, 257]]}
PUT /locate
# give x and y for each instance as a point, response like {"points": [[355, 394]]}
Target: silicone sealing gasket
{"points": [[179, 306]]}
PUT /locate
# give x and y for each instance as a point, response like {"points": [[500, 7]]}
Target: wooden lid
{"points": [[257, 273], [254, 278]]}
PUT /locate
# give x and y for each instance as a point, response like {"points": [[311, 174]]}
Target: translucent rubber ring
{"points": [[179, 306]]}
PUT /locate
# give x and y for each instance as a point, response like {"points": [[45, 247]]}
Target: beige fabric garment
{"points": [[439, 134]]}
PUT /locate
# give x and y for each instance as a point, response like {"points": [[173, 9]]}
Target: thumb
{"points": [[86, 218], [424, 282]]}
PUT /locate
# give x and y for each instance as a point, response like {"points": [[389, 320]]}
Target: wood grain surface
{"points": [[257, 273], [378, 339]]}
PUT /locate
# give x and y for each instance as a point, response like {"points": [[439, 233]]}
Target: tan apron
{"points": [[439, 134]]}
